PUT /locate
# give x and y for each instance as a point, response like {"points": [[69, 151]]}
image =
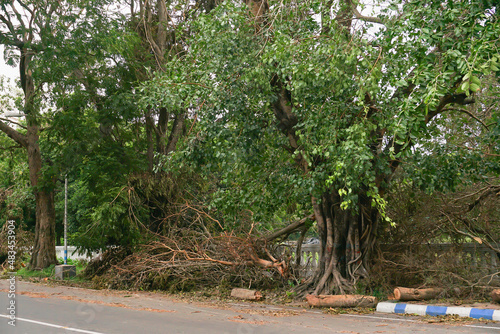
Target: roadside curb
{"points": [[476, 313]]}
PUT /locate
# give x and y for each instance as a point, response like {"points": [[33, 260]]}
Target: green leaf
{"points": [[474, 87], [465, 86]]}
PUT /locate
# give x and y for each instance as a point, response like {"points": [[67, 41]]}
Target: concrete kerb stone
{"points": [[432, 310]]}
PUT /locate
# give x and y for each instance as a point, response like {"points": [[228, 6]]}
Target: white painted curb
{"points": [[476, 313]]}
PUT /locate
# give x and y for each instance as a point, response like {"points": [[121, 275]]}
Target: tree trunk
{"points": [[149, 140], [44, 249], [346, 241], [176, 132]]}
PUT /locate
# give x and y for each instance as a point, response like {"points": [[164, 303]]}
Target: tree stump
{"points": [[341, 301], [406, 294]]}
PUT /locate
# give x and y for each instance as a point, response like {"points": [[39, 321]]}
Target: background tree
{"points": [[33, 34]]}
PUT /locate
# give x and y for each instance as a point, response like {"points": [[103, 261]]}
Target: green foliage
{"points": [[348, 94], [110, 223], [16, 197], [79, 264]]}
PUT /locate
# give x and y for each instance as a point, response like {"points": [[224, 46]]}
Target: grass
{"points": [[49, 272]]}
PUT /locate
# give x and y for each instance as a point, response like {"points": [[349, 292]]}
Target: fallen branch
{"points": [[246, 294], [405, 294], [286, 231]]}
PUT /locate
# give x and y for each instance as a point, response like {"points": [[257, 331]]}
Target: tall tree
{"points": [[349, 102], [31, 31], [20, 21]]}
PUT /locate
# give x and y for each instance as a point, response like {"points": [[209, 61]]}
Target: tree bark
{"points": [[246, 294], [406, 294], [44, 249], [346, 241], [341, 301], [176, 132], [495, 295]]}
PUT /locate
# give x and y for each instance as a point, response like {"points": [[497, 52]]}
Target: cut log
{"points": [[246, 294], [406, 294], [341, 301], [495, 295]]}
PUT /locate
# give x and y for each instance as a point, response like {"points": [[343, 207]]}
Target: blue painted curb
{"points": [[471, 312]]}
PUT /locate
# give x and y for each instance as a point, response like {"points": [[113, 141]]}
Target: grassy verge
{"points": [[49, 272]]}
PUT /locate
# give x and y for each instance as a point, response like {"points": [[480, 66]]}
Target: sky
{"points": [[6, 70], [12, 73]]}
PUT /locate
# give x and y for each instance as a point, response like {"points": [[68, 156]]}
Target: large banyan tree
{"points": [[327, 99]]}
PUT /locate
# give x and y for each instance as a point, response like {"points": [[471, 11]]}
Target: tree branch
{"points": [[8, 120], [468, 113], [358, 16], [460, 99], [14, 135], [289, 229], [176, 132]]}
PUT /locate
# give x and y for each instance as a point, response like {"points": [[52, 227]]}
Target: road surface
{"points": [[43, 309]]}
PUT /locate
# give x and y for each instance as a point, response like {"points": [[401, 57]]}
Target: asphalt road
{"points": [[56, 311]]}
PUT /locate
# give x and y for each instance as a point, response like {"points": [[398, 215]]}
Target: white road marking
{"points": [[410, 320], [52, 325]]}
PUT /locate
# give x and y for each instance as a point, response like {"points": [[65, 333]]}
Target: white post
{"points": [[65, 220]]}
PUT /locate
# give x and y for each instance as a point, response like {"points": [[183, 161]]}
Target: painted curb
{"points": [[471, 312]]}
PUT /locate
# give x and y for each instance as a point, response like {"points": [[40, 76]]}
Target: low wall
{"points": [[474, 254], [73, 254]]}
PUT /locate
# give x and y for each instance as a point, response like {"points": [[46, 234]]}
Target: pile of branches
{"points": [[459, 220], [188, 259], [24, 240], [184, 246]]}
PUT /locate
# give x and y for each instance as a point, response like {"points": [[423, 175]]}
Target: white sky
{"points": [[6, 70]]}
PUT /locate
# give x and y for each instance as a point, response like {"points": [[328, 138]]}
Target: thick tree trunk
{"points": [[346, 241], [44, 249]]}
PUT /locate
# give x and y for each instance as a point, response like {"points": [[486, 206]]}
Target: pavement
{"points": [[46, 309]]}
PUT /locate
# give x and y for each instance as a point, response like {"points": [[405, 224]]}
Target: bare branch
{"points": [[371, 19], [468, 113], [10, 121]]}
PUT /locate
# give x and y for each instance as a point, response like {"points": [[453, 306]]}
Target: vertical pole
{"points": [[65, 220]]}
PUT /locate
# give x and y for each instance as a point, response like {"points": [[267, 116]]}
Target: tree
{"points": [[347, 101], [33, 34], [18, 32]]}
